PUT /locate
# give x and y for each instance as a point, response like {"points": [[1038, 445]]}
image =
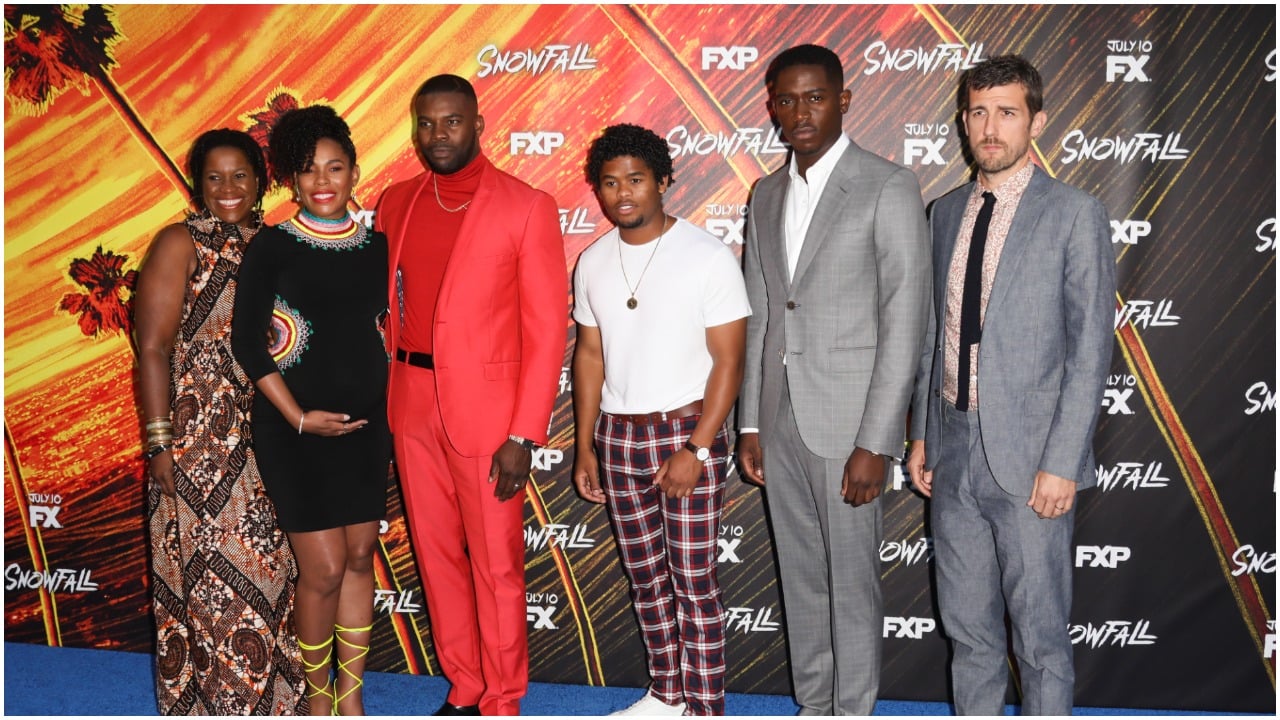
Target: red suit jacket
{"points": [[499, 330]]}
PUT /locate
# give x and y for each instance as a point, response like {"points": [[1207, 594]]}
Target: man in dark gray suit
{"points": [[1007, 396], [837, 271]]}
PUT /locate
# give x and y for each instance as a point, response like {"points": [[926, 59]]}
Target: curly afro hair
{"points": [[634, 141], [293, 140], [228, 138]]}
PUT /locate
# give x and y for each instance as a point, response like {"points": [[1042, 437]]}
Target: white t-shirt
{"points": [[655, 356]]}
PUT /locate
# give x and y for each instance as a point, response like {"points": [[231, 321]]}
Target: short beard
{"points": [[638, 222], [454, 165]]}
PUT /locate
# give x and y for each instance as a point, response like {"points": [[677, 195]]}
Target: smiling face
{"points": [[809, 108], [229, 185], [449, 127], [1000, 127], [631, 196], [325, 188]]}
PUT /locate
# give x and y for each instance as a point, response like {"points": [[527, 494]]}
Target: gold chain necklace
{"points": [[436, 185], [631, 301]]}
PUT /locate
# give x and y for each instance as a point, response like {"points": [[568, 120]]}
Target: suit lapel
{"points": [[769, 223], [948, 218], [834, 197], [1030, 209]]}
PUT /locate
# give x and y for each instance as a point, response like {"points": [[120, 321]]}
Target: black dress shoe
{"points": [[450, 709]]}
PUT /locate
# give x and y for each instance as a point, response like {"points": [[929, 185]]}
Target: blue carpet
{"points": [[40, 680]]}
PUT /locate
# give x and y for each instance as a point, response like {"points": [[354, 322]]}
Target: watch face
{"points": [[700, 453]]}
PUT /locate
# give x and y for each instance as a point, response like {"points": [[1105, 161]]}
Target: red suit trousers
{"points": [[470, 552]]}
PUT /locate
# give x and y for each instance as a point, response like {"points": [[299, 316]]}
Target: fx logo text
{"points": [[44, 516], [540, 616], [927, 150], [1131, 68]]}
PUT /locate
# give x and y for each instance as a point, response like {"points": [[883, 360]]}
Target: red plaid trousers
{"points": [[669, 552]]}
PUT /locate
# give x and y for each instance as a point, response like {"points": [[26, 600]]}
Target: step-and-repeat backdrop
{"points": [[1166, 113]]}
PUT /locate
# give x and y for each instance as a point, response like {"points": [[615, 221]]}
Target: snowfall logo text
{"points": [[62, 580], [560, 58], [745, 619], [1113, 633], [1141, 146], [756, 141], [1131, 476], [558, 535], [949, 56]]}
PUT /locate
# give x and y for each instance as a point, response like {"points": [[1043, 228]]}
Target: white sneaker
{"points": [[651, 706]]}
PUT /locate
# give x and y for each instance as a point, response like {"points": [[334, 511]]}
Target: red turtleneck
{"points": [[428, 243]]}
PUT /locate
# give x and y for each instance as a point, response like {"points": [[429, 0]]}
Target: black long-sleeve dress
{"points": [[313, 307]]}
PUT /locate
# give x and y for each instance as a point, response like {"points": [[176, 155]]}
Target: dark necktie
{"points": [[971, 302]]}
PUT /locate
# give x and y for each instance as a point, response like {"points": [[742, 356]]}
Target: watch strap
{"points": [[526, 443], [699, 452]]}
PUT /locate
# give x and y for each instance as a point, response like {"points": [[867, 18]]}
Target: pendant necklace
{"points": [[436, 185], [631, 301]]}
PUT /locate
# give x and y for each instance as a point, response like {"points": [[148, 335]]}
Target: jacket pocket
{"points": [[501, 370], [852, 359]]}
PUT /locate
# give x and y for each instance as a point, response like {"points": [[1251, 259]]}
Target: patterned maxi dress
{"points": [[222, 573]]}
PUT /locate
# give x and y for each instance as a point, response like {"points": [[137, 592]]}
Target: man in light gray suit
{"points": [[1007, 396], [837, 271]]}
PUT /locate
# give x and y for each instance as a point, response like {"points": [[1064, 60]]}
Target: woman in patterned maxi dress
{"points": [[221, 570]]}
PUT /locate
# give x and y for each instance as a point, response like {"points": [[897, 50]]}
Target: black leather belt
{"points": [[416, 359]]}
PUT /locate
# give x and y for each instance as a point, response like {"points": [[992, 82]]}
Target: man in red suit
{"points": [[479, 307]]}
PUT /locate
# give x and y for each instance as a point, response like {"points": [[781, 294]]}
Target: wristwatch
{"points": [[526, 443], [156, 450], [699, 452]]}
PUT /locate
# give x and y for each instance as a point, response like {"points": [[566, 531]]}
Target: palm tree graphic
{"points": [[50, 48], [106, 306]]}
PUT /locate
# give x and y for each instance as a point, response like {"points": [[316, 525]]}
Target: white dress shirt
{"points": [[803, 194]]}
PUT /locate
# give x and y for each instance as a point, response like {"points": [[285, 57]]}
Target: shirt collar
{"points": [[1010, 189], [822, 169]]}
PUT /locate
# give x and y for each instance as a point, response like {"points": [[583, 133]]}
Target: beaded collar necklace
{"points": [[341, 234]]}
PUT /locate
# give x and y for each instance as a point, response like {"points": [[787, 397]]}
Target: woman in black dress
{"points": [[308, 324]]}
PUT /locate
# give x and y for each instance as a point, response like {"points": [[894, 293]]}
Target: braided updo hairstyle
{"points": [[292, 145], [224, 137]]}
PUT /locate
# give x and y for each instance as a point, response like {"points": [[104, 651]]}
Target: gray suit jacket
{"points": [[1046, 340], [851, 322]]}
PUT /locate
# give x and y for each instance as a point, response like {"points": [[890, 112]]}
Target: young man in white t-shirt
{"points": [[661, 309]]}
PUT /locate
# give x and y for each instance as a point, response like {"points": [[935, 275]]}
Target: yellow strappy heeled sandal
{"points": [[342, 664], [325, 664]]}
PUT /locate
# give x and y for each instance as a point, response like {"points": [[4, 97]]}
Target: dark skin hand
{"points": [[863, 477], [678, 477], [161, 467], [751, 458], [510, 468]]}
